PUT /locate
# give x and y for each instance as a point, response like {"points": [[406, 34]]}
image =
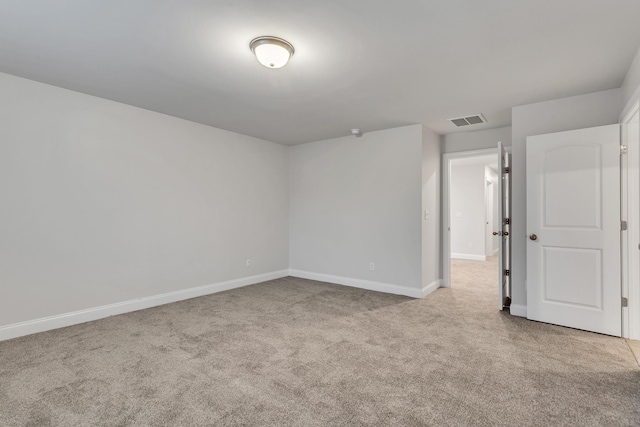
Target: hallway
{"points": [[480, 277]]}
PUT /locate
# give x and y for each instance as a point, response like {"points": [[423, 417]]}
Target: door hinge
{"points": [[507, 272], [623, 225], [625, 302], [506, 221], [623, 150], [507, 169]]}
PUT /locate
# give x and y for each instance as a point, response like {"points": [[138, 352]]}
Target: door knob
{"points": [[505, 233], [533, 237], [495, 233]]}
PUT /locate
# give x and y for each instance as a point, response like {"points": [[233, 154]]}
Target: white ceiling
{"points": [[368, 64]]}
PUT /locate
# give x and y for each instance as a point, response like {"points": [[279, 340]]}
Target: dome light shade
{"points": [[272, 52]]}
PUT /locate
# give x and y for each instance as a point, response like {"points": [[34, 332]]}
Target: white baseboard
{"points": [[518, 310], [494, 253], [73, 318], [469, 257], [431, 287], [359, 283]]}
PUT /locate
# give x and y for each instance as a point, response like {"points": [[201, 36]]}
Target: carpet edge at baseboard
{"points": [[359, 283], [63, 320], [468, 257], [431, 287]]}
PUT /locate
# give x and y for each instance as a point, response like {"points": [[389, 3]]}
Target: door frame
{"points": [[630, 212], [446, 204]]}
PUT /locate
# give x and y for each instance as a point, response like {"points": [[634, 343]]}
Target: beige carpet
{"points": [[301, 353], [635, 349]]}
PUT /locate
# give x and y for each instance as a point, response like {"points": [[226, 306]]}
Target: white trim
{"points": [[73, 318], [469, 257], [359, 283], [446, 216], [518, 310], [495, 252], [431, 287], [630, 211], [631, 104]]}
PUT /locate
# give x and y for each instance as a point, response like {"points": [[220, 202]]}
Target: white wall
{"points": [[431, 226], [103, 202], [467, 200], [477, 140], [358, 200], [577, 112], [631, 86]]}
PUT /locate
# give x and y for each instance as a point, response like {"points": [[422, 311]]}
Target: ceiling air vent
{"points": [[469, 120]]}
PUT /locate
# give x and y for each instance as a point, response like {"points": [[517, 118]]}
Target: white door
{"points": [[504, 227], [573, 227]]}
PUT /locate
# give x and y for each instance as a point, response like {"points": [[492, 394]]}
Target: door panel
{"points": [[569, 203], [573, 223], [558, 274]]}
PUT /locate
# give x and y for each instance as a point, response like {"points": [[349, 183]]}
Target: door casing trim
{"points": [[630, 212]]}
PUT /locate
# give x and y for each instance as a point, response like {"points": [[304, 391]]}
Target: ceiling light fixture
{"points": [[272, 52]]}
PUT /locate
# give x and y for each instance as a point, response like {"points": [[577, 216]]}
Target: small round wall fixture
{"points": [[272, 52]]}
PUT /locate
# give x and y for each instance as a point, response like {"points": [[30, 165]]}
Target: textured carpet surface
{"points": [[303, 353], [635, 349]]}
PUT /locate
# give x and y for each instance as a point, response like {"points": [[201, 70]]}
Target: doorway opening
{"points": [[475, 247]]}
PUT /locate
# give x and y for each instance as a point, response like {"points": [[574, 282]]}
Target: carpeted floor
{"points": [[302, 353]]}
